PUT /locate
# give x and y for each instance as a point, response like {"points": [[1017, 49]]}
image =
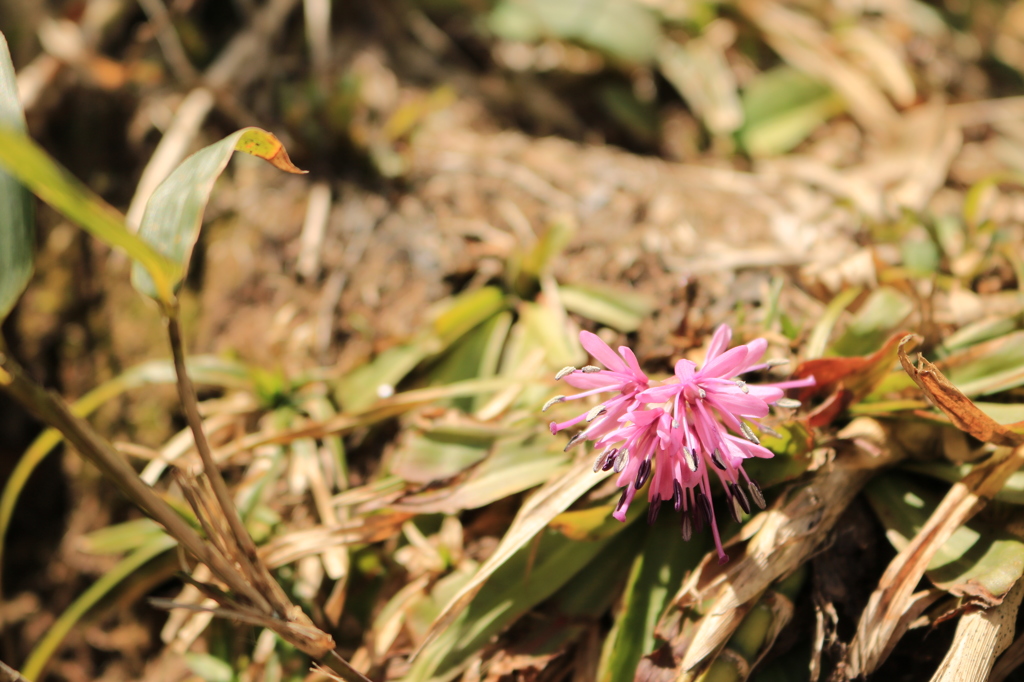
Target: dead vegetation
{"points": [[374, 341]]}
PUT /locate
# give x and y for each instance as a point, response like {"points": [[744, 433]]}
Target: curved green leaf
{"points": [[30, 163], [174, 213], [656, 575], [16, 222]]}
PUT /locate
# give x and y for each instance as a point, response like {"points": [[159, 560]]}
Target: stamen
{"points": [[699, 510], [738, 494], [599, 462], [777, 362], [742, 385], [573, 441], [675, 423], [609, 459], [735, 511], [652, 511], [691, 459], [643, 473], [769, 430], [788, 402], [716, 458], [596, 412], [677, 495], [622, 498], [590, 369], [749, 434], [705, 501], [620, 461], [565, 370], [556, 399], [755, 493], [702, 393]]}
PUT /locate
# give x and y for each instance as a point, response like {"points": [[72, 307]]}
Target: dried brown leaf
{"points": [[845, 380], [878, 627], [964, 414], [980, 637], [787, 534]]}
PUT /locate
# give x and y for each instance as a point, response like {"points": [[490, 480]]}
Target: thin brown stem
{"points": [[256, 585], [252, 566], [344, 668], [52, 410]]}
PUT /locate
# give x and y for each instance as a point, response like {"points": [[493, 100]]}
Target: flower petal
{"points": [[721, 339], [602, 352]]}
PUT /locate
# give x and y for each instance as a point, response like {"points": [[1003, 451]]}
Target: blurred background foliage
{"points": [[375, 341]]}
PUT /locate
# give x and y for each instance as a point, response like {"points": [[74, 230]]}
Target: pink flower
{"points": [[674, 433]]}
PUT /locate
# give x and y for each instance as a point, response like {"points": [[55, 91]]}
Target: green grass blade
{"points": [[48, 645], [16, 220], [818, 340], [656, 575], [28, 162], [979, 559], [174, 213]]}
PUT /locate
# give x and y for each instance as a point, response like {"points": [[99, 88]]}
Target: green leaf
{"points": [[782, 107], [174, 213], [523, 580], [978, 560], [121, 537], [209, 668], [439, 454], [613, 307], [460, 315], [881, 314], [16, 219], [991, 367], [28, 162], [656, 575], [818, 340], [1011, 492], [550, 332], [533, 516], [622, 29]]}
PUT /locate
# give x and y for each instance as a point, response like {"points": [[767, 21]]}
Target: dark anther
{"points": [[705, 503], [643, 473], [691, 458], [609, 461], [677, 495], [620, 461], [622, 498], [698, 510], [572, 441], [755, 493], [716, 457], [735, 510], [741, 496], [652, 511]]}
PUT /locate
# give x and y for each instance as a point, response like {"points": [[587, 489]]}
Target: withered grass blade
{"points": [[981, 636], [879, 623], [786, 537]]}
